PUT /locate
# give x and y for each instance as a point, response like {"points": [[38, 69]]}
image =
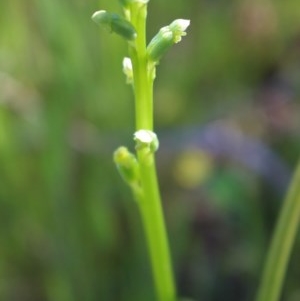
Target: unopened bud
{"points": [[115, 23], [127, 165], [127, 69], [147, 140], [178, 27], [165, 38]]}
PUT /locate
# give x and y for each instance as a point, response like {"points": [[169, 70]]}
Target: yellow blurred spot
{"points": [[192, 168]]}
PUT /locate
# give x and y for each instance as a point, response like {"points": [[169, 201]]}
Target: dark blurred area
{"points": [[227, 113]]}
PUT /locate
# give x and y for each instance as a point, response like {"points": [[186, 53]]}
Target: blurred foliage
{"points": [[227, 111]]}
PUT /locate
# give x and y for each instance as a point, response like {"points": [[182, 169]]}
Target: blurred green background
{"points": [[227, 114]]}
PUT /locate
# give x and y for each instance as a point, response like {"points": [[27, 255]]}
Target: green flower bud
{"points": [[160, 44], [115, 23], [127, 165], [165, 38]]}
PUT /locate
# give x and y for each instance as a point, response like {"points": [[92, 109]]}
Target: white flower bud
{"points": [[127, 69], [146, 139], [178, 27]]}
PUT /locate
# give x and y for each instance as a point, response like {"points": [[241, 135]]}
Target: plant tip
{"points": [[180, 24]]}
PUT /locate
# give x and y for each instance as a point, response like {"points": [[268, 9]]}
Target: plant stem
{"points": [[143, 84], [282, 243], [150, 202], [154, 226]]}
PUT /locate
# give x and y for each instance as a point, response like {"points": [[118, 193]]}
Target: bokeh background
{"points": [[227, 114]]}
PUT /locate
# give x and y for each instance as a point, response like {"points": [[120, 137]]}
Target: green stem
{"points": [[282, 243], [143, 84], [150, 202], [154, 226]]}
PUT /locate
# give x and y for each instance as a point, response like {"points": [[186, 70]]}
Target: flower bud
{"points": [[165, 38], [146, 140], [127, 69], [178, 28], [115, 23], [127, 165]]}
